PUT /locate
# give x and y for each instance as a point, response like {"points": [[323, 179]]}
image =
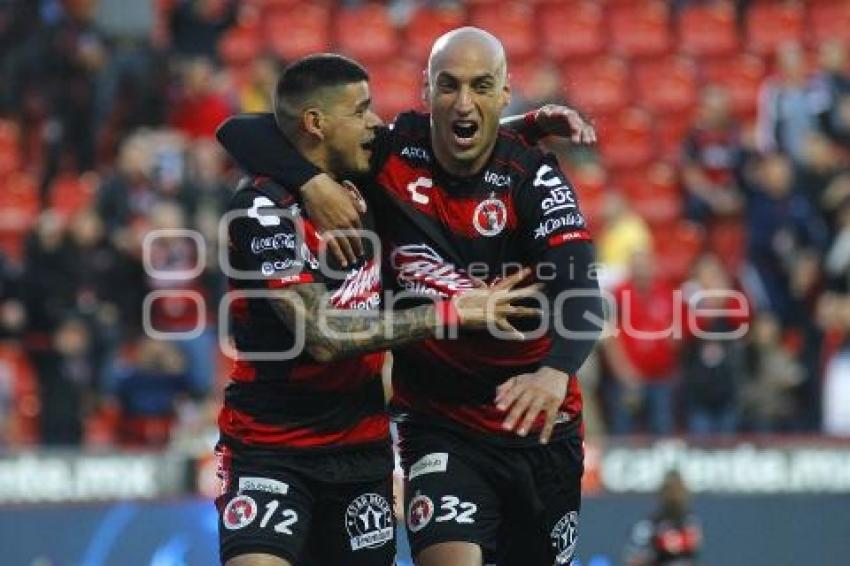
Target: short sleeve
{"points": [[268, 244], [548, 210]]}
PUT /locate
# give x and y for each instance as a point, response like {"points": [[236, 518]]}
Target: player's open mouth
{"points": [[464, 132], [367, 145]]}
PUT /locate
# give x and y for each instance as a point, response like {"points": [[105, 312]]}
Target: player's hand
{"points": [[333, 207], [529, 394], [564, 122], [482, 307]]}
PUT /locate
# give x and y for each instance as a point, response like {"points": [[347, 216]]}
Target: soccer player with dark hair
{"points": [[304, 456], [490, 428]]}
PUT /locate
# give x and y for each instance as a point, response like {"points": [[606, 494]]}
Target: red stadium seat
{"points": [[626, 139], [19, 207], [426, 25], [640, 29], [590, 182], [771, 24], [239, 45], [293, 32], [597, 87], [727, 238], [511, 22], [653, 192], [395, 86], [676, 249], [10, 148], [671, 130], [571, 30], [708, 30], [667, 85], [829, 19], [366, 33], [24, 387], [741, 76], [70, 193]]}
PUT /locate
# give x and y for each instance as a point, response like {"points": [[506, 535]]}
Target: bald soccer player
{"points": [[490, 428]]}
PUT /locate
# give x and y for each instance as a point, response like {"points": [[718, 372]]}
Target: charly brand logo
{"points": [[369, 521], [490, 217], [415, 187]]}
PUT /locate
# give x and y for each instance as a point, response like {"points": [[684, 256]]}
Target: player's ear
{"points": [[506, 91], [312, 121]]}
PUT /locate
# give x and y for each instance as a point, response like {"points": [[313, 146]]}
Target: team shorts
{"points": [[303, 518], [519, 504]]}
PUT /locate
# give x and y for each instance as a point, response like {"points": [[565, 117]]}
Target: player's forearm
{"points": [[332, 334]]}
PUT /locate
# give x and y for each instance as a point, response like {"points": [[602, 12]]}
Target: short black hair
{"points": [[304, 77]]}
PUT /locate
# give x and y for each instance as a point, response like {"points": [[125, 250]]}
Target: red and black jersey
{"points": [[279, 397], [439, 232]]}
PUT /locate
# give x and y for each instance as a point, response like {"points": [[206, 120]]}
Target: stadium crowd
{"points": [[722, 168]]}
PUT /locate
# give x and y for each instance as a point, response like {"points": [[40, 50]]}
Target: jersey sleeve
{"points": [[268, 244], [548, 210]]}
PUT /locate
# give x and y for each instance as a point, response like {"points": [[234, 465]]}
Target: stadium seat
{"points": [[427, 24], [741, 76], [676, 249], [829, 19], [239, 45], [512, 22], [571, 29], [667, 85], [770, 24], [15, 367], [599, 86], [10, 148], [19, 206], [727, 238], [640, 29], [70, 193], [292, 32], [653, 192], [708, 30], [366, 33], [671, 130], [396, 86], [525, 77], [590, 181], [626, 139]]}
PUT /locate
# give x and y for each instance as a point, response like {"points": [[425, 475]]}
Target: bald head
{"points": [[469, 44]]}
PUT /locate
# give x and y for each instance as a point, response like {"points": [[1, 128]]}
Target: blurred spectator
{"points": [[712, 152], [712, 356], [197, 25], [642, 354], [788, 106], [182, 310], [12, 313], [200, 106], [623, 235], [148, 393], [832, 84], [837, 261], [834, 315], [672, 535], [822, 163], [129, 194], [108, 287], [256, 94], [65, 377], [768, 400], [781, 223]]}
